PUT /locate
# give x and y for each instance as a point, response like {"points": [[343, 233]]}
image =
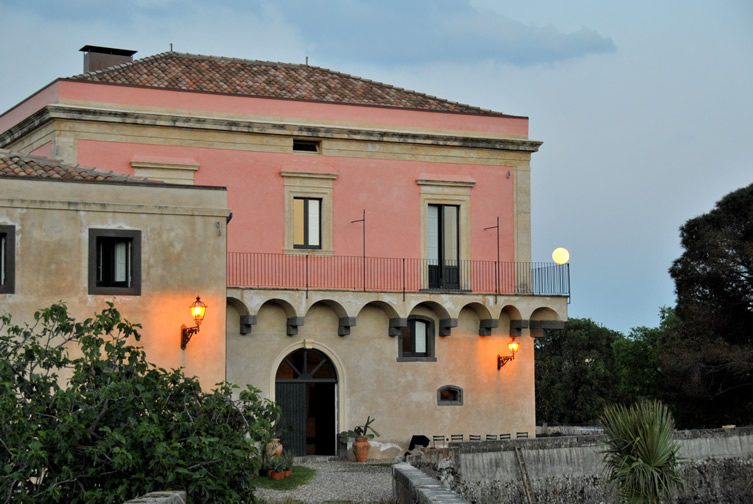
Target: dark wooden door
{"points": [[292, 400]]}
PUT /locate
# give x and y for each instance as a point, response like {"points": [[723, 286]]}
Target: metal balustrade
{"points": [[394, 274]]}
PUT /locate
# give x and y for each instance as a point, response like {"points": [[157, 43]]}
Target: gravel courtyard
{"points": [[338, 481]]}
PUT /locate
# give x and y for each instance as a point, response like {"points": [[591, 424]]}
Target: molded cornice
{"points": [[78, 113]]}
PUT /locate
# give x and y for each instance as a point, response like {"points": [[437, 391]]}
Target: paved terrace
{"points": [[338, 480]]}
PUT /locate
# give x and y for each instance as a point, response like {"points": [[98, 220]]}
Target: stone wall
{"points": [[717, 466]]}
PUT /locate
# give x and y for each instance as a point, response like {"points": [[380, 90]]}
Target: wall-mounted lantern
{"points": [[197, 313], [502, 360]]}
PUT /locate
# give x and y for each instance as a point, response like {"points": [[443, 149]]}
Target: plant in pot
{"points": [[287, 460], [276, 467], [360, 436]]}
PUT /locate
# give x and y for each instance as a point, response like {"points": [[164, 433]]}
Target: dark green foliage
{"points": [[641, 455], [583, 368], [707, 357], [121, 427], [637, 360], [575, 373]]}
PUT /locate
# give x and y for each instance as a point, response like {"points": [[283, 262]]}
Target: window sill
{"points": [[416, 359], [115, 291], [311, 251]]}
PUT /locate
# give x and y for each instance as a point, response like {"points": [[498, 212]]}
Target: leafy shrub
{"points": [[641, 455], [119, 427]]}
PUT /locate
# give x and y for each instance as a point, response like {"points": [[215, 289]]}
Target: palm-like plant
{"points": [[641, 455]]}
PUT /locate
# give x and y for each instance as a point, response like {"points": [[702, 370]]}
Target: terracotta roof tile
{"points": [[18, 166], [212, 74]]}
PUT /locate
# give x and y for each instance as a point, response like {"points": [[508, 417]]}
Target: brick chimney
{"points": [[97, 58]]}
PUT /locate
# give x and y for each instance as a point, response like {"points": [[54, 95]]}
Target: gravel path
{"points": [[340, 481]]}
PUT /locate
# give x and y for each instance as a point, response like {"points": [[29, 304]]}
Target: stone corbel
{"points": [[538, 326], [446, 325], [485, 326], [396, 325], [246, 322], [343, 328], [293, 324], [517, 326]]}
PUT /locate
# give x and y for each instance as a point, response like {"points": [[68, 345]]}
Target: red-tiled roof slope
{"points": [[212, 74], [17, 165]]}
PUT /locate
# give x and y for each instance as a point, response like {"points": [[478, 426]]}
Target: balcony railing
{"points": [[387, 274]]}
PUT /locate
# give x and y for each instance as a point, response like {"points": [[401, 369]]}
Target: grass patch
{"points": [[301, 475]]}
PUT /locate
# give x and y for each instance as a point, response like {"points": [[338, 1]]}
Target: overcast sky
{"points": [[645, 108]]}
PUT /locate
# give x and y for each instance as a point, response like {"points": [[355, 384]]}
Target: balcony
{"points": [[388, 274]]}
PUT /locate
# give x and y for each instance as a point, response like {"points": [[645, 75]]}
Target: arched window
{"points": [[450, 395], [416, 340]]}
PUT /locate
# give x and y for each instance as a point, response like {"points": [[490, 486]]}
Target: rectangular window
{"points": [[307, 223], [305, 145], [443, 246], [7, 259], [114, 261], [416, 341]]}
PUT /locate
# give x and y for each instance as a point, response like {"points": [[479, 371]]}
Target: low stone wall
{"points": [[169, 497], [411, 486], [717, 467]]}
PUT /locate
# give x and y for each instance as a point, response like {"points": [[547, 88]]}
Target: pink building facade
{"points": [[380, 234]]}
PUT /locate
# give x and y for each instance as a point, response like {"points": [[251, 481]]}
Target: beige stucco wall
{"points": [[183, 255], [400, 395]]}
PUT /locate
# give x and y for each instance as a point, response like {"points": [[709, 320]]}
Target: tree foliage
{"points": [[641, 455], [585, 366], [119, 427], [708, 356], [575, 373]]}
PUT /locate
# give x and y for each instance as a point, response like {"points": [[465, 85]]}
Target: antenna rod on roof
{"points": [[307, 61], [171, 47]]}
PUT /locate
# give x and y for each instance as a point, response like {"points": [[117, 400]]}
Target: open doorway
{"points": [[306, 390]]}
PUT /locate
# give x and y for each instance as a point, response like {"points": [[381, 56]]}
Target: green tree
{"points": [[575, 372], [120, 427], [641, 455], [707, 358], [637, 360]]}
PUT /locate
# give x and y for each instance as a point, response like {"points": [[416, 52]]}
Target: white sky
{"points": [[645, 108]]}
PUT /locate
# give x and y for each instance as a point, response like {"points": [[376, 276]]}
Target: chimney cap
{"points": [[107, 50]]}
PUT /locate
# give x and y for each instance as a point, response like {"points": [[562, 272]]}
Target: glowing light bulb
{"points": [[560, 255]]}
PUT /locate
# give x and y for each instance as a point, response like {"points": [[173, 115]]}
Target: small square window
{"points": [[307, 223], [7, 259], [300, 145], [450, 395], [114, 262]]}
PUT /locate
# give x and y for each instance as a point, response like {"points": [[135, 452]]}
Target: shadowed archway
{"points": [[306, 390]]}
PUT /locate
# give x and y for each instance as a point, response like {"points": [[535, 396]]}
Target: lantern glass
{"points": [[513, 346], [198, 309]]}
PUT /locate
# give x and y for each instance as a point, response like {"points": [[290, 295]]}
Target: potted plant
{"points": [[361, 435], [276, 467], [287, 459]]}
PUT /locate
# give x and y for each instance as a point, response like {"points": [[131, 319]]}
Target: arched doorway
{"points": [[306, 390]]}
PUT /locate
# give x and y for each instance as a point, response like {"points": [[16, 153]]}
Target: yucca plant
{"points": [[641, 455]]}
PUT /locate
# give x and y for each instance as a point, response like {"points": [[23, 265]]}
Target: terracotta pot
{"points": [[273, 448], [361, 449], [288, 472], [276, 475]]}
